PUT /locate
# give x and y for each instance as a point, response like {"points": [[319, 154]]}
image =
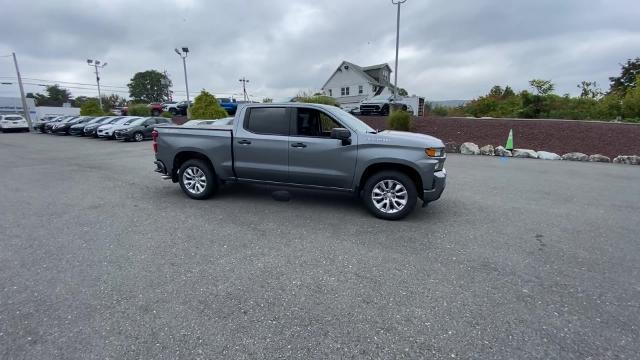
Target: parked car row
{"points": [[127, 128]]}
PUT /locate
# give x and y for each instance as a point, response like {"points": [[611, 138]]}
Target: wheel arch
{"points": [[185, 155], [406, 169]]}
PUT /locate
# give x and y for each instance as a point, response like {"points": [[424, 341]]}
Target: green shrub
{"points": [[440, 110], [91, 107], [167, 115], [138, 110], [205, 106], [400, 120], [317, 99]]}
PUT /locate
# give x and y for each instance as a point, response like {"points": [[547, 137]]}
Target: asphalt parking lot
{"points": [[100, 258]]}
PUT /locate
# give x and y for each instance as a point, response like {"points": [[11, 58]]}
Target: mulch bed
{"points": [[561, 137]]}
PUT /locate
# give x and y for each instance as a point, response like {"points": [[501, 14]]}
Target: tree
{"points": [[542, 87], [91, 107], [402, 92], [589, 89], [627, 79], [78, 101], [205, 106], [56, 96], [631, 102], [149, 86], [112, 101], [267, 100]]}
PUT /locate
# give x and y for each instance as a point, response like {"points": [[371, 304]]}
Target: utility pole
{"points": [[244, 88], [24, 99], [96, 64], [395, 81], [183, 55]]}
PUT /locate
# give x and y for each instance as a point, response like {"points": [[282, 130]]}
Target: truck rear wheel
{"points": [[390, 195], [197, 179]]}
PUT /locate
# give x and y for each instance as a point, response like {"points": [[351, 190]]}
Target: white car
{"points": [[13, 123], [106, 130]]}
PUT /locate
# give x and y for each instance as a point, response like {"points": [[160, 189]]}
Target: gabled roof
{"points": [[376, 67], [360, 70]]}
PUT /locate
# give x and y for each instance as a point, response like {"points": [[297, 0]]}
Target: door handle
{"points": [[244, 142], [299, 145]]}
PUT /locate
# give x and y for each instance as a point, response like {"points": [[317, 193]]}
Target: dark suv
{"points": [[139, 129]]}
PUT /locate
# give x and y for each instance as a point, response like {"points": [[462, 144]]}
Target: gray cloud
{"points": [[449, 49]]}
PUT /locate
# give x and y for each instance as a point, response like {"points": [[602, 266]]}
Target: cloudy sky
{"points": [[448, 49]]}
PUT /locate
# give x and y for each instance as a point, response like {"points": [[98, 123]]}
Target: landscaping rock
{"points": [[545, 155], [486, 150], [599, 158], [575, 156], [469, 148], [627, 159], [502, 152], [452, 147], [525, 153]]}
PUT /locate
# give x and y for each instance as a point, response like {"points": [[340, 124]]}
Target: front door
{"points": [[261, 144], [314, 157]]}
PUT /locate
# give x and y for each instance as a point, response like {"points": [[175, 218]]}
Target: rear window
{"points": [[268, 120]]}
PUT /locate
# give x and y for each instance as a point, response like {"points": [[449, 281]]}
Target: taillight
{"points": [[154, 136]]}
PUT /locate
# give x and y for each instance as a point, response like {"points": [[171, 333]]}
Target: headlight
{"points": [[434, 152]]}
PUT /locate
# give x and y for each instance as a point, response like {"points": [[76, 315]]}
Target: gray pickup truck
{"points": [[305, 145]]}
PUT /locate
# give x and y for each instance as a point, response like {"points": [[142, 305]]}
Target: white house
{"points": [[349, 84]]}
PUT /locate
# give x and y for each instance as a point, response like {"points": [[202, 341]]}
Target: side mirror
{"points": [[341, 134]]}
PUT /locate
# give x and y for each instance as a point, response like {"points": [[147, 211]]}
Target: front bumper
{"points": [[122, 135], [438, 185], [76, 131]]}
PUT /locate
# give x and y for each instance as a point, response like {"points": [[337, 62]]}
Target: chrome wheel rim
{"points": [[389, 196], [138, 137], [194, 180]]}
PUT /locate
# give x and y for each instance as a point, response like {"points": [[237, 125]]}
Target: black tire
{"points": [[390, 178], [173, 111], [404, 107], [211, 180], [155, 113], [138, 136], [385, 110]]}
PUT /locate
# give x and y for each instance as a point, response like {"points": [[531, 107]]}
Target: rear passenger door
{"points": [[261, 144]]}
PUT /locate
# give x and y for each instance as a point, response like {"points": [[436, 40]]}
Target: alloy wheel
{"points": [[194, 179], [389, 196]]}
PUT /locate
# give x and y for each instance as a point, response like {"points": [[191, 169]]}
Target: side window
{"points": [[150, 122], [313, 122], [268, 120]]}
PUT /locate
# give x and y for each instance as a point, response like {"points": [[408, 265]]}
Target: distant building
{"points": [[13, 105], [349, 84]]}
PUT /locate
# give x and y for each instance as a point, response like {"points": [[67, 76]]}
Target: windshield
{"points": [[134, 121], [121, 121], [353, 122], [381, 97], [69, 119], [115, 120]]}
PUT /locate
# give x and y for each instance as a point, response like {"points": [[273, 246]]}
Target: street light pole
{"points": [[96, 64], [244, 87], [183, 55], [22, 97], [395, 81]]}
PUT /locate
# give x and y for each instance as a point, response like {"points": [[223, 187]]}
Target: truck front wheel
{"points": [[197, 179], [390, 195]]}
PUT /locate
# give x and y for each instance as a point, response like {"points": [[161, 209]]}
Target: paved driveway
{"points": [[100, 258]]}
